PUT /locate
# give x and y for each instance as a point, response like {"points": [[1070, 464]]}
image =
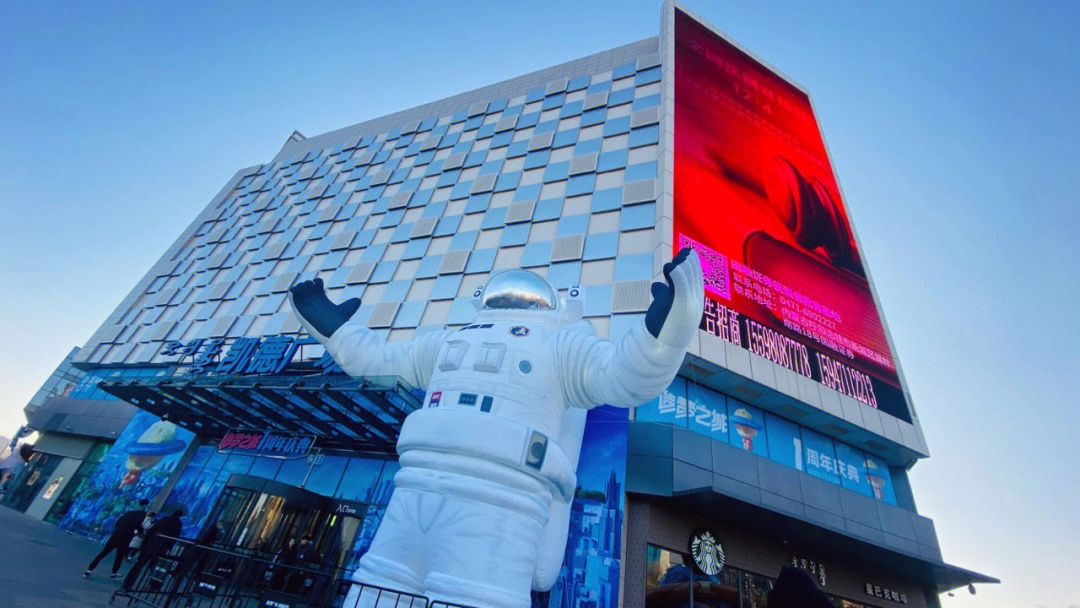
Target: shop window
{"points": [[819, 456], [755, 590], [325, 476], [293, 472], [358, 482], [689, 405], [670, 582], [746, 428], [785, 441], [20, 491], [63, 502], [669, 407], [267, 468]]}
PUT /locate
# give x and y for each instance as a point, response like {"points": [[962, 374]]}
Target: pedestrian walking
{"points": [[137, 541], [158, 540], [126, 527]]}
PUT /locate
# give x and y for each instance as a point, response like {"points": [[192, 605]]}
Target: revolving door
{"points": [[268, 519]]}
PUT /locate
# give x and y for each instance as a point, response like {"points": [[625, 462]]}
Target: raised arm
{"points": [[645, 360], [358, 350]]}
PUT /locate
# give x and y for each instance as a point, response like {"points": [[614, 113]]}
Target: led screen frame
{"points": [[755, 193]]}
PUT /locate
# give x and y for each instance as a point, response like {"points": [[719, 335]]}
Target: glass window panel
{"points": [[293, 471], [746, 428], [852, 471], [359, 481], [266, 468], [784, 440], [668, 576], [385, 487], [877, 472], [819, 457], [669, 407], [326, 475], [707, 411], [755, 590]]}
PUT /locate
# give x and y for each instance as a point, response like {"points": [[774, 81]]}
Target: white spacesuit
{"points": [[481, 461]]}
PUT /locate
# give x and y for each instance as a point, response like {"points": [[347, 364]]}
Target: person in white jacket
{"points": [[481, 461]]}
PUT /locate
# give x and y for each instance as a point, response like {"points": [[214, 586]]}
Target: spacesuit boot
{"points": [[481, 462]]}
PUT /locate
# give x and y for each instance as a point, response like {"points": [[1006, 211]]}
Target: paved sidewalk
{"points": [[41, 566]]}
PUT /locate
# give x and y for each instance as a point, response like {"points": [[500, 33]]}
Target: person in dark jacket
{"points": [[795, 589], [196, 555], [158, 540], [126, 527], [303, 557]]}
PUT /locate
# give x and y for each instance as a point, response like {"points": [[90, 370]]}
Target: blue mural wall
{"points": [[354, 478], [590, 571], [137, 466]]}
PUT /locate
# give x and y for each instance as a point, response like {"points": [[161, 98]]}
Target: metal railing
{"points": [[180, 573]]}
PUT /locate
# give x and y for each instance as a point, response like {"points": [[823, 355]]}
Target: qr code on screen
{"points": [[714, 267]]}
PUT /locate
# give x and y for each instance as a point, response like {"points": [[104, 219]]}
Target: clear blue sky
{"points": [[953, 129]]}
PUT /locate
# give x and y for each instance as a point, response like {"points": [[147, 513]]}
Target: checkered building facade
{"points": [[557, 171]]}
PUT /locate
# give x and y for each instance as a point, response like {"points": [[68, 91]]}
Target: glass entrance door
{"points": [[262, 517]]}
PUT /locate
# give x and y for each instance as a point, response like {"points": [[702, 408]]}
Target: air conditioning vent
{"points": [[453, 262], [585, 163], [360, 273], [630, 296], [643, 191], [566, 248], [383, 314], [424, 227], [483, 183], [520, 212], [400, 199]]}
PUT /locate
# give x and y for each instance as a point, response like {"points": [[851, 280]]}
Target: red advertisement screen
{"points": [[756, 197]]}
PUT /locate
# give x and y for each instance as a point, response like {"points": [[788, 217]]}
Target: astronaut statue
{"points": [[482, 466]]}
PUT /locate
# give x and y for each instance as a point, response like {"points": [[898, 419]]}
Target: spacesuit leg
{"points": [[393, 561], [484, 530]]}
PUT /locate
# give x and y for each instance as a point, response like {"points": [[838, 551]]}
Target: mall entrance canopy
{"points": [[355, 413]]}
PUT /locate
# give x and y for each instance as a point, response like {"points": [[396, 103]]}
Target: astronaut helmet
{"points": [[517, 291]]}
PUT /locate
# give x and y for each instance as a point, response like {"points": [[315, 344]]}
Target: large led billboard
{"points": [[755, 195]]}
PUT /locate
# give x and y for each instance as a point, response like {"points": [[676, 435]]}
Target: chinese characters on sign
{"points": [[701, 414], [245, 356], [888, 594], [265, 443], [814, 569]]}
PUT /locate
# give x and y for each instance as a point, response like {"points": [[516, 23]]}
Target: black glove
{"points": [[664, 295], [317, 311]]}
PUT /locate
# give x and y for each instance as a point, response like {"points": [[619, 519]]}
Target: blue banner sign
{"points": [[245, 356]]}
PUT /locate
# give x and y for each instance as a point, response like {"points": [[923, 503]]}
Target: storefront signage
{"points": [[885, 594], [265, 443], [349, 508], [245, 356], [814, 569], [707, 552]]}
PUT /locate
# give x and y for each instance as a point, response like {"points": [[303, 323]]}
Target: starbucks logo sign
{"points": [[707, 552]]}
